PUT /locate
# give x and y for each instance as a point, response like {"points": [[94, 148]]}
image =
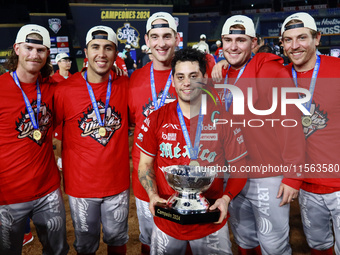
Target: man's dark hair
{"points": [[265, 48], [191, 55], [259, 38]]}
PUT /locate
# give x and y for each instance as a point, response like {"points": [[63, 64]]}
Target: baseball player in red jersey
{"points": [[92, 105], [30, 181], [149, 89], [162, 142], [64, 64], [319, 193], [260, 213]]}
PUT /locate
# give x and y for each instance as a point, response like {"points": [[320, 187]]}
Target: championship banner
{"points": [[8, 33], [128, 21], [61, 41]]}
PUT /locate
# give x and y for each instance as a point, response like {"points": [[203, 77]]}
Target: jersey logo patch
{"points": [[25, 126], [173, 126], [319, 121], [90, 126], [149, 107], [169, 136], [209, 137], [140, 137]]}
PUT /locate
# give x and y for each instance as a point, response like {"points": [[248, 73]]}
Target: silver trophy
{"points": [[189, 182]]}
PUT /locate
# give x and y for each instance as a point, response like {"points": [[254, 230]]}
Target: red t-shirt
{"points": [[27, 167], [210, 63], [58, 132], [93, 166], [140, 106], [161, 137], [270, 144], [323, 135], [120, 63], [58, 78]]}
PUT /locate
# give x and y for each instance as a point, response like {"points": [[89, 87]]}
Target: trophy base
{"points": [[168, 213]]}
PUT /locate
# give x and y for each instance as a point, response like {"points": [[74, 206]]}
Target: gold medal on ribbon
{"points": [[194, 163], [36, 134], [306, 121], [102, 131]]}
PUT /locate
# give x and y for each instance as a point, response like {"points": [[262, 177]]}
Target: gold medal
{"points": [[36, 134], [102, 131], [306, 121], [194, 163]]}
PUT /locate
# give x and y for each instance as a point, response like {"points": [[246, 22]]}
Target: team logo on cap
{"points": [[101, 28], [54, 24], [90, 126], [239, 21], [128, 35]]}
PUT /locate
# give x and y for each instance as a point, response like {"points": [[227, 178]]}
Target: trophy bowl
{"points": [[189, 182]]}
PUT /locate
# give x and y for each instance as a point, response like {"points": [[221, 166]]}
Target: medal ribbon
{"points": [[153, 89], [94, 102], [193, 151], [312, 83], [35, 122], [228, 97]]}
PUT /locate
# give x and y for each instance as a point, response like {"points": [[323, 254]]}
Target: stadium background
{"points": [[67, 28]]}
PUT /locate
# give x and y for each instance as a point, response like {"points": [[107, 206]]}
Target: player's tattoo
{"points": [[147, 179], [142, 179]]}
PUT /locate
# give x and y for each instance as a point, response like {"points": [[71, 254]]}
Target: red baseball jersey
{"points": [[271, 143], [140, 106], [323, 134], [27, 166], [93, 165], [161, 137]]}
